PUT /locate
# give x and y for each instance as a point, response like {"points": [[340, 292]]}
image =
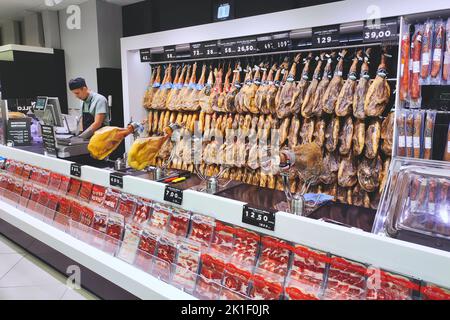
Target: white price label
{"points": [[409, 142], [416, 142], [410, 64], [425, 58], [437, 55], [447, 58], [427, 142], [401, 141], [416, 67], [448, 147]]}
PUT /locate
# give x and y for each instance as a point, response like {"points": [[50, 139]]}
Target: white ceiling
{"points": [[16, 9]]}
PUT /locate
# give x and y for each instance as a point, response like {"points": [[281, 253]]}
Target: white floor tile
{"points": [[27, 273], [51, 292], [7, 246], [8, 261], [71, 294]]}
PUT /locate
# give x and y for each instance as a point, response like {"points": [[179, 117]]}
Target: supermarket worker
{"points": [[95, 110]]}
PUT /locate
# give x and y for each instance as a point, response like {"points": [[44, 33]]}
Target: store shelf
{"points": [[124, 275], [414, 260]]}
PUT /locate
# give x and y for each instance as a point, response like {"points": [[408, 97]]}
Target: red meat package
{"points": [[228, 294], [76, 211], [127, 206], [65, 183], [98, 194], [237, 278], [383, 285], [143, 211], [223, 238], [147, 247], [87, 216], [62, 216], [211, 274], [55, 181], [245, 246], [3, 182], [179, 222], [301, 290], [74, 187], [26, 194], [100, 222], [18, 169], [131, 236], [166, 252], [434, 292], [26, 173], [202, 229], [52, 205], [275, 255], [33, 199], [111, 199], [308, 265], [114, 231], [187, 264], [346, 280], [86, 190], [11, 166], [266, 286], [160, 217], [44, 178], [35, 174]]}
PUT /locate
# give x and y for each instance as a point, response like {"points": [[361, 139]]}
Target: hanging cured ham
{"points": [[217, 89], [155, 82], [387, 134], [300, 89], [331, 95], [322, 87], [344, 104], [284, 107], [231, 95], [204, 96], [346, 136], [239, 100], [159, 100], [176, 88], [187, 91], [193, 99], [373, 134], [308, 101], [222, 96], [347, 174], [362, 88], [261, 93], [379, 92], [359, 136], [332, 134], [250, 92], [273, 89], [369, 173], [319, 132], [330, 168]]}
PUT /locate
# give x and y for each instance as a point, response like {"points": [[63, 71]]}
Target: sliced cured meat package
{"points": [[223, 238], [266, 286], [246, 245], [98, 194], [427, 52], [127, 206], [346, 280], [202, 229], [186, 265], [179, 222], [74, 187], [301, 290], [165, 255], [65, 183], [210, 277], [274, 256], [308, 266], [143, 211], [55, 181], [237, 278], [160, 217], [100, 222], [383, 285], [433, 292], [86, 190], [44, 178], [129, 246]]}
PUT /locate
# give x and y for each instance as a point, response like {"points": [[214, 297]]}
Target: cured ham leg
{"points": [[379, 92], [344, 103], [220, 107], [287, 91], [300, 90], [362, 88], [308, 101], [261, 94], [331, 95], [155, 82], [322, 87]]}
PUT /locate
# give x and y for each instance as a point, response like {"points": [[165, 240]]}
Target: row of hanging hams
{"points": [[356, 152], [273, 89]]}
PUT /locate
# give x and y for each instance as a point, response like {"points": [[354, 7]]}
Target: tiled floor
{"points": [[24, 277]]}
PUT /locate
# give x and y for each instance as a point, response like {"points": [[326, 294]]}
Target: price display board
{"points": [[328, 36], [384, 31]]}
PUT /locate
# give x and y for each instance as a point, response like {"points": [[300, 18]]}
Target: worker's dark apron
{"points": [[88, 118]]}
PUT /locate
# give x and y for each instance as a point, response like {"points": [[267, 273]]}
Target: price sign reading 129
{"points": [[325, 36]]}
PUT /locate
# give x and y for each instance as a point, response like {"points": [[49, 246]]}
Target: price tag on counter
{"points": [[259, 218], [326, 36], [145, 55], [173, 195], [170, 53], [75, 170], [49, 140], [116, 179], [386, 30], [239, 46]]}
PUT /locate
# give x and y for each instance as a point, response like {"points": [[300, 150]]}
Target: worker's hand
{"points": [[86, 135]]}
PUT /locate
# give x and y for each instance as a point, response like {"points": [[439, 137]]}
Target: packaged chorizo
{"points": [[427, 51], [416, 50], [409, 131], [417, 133], [428, 134], [447, 148], [438, 53], [401, 134], [446, 67], [405, 65]]}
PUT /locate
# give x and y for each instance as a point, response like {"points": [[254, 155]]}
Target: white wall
{"points": [[52, 37], [33, 34], [109, 22], [10, 32], [81, 49]]}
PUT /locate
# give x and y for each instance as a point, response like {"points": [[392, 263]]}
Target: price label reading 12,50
{"points": [[258, 218]]}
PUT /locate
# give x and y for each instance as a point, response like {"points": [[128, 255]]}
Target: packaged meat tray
{"points": [[346, 280], [384, 285], [223, 238], [179, 222], [35, 174], [129, 246], [275, 254], [246, 245], [160, 217], [237, 278], [111, 200], [74, 187], [228, 294], [147, 247], [18, 169], [266, 286], [127, 206], [55, 181], [44, 178], [26, 173], [143, 211], [301, 290], [308, 266], [211, 274], [65, 183], [114, 231], [166, 252], [202, 229], [86, 191], [97, 195], [432, 292], [99, 227], [26, 194], [187, 263]]}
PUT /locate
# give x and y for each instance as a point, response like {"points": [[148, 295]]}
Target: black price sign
{"points": [[385, 30], [258, 218], [170, 53], [75, 170], [145, 55], [116, 179], [173, 195], [272, 45], [239, 46], [48, 138], [325, 36], [205, 49], [19, 131]]}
